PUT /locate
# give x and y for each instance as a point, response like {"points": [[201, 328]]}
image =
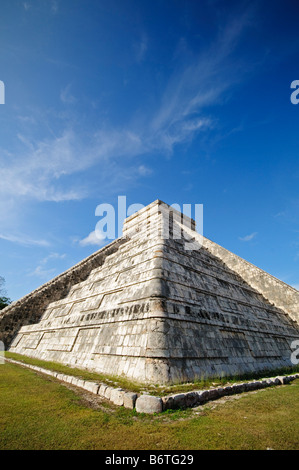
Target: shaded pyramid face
{"points": [[155, 311]]}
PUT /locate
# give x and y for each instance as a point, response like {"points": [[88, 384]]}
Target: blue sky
{"points": [[185, 101]]}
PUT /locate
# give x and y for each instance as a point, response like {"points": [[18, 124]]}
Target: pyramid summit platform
{"points": [[147, 308]]}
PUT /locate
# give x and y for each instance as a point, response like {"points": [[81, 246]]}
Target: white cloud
{"points": [[35, 173], [93, 238], [248, 238], [24, 240], [144, 170], [52, 256], [54, 6], [26, 5], [66, 95], [43, 169], [42, 271], [52, 3], [141, 47], [204, 82]]}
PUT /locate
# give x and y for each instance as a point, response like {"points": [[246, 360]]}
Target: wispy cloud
{"points": [[248, 238], [42, 270], [26, 5], [41, 167], [54, 6], [34, 175], [144, 170], [203, 82], [66, 96], [52, 256], [24, 240], [141, 47], [93, 238]]}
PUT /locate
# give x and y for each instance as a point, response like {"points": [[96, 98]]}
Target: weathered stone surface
{"points": [[228, 390], [167, 403], [117, 396], [92, 387], [281, 379], [30, 309], [108, 392], [213, 394], [179, 400], [102, 390], [220, 391], [203, 396], [148, 404], [269, 382], [68, 378], [250, 386], [78, 382], [130, 400], [238, 388], [191, 399], [146, 308]]}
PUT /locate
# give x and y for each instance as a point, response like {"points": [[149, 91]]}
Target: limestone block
{"points": [[277, 381], [68, 378], [117, 396], [178, 400], [193, 398], [101, 390], [78, 382], [228, 390], [220, 391], [108, 392], [263, 383], [148, 404], [249, 387], [167, 403], [92, 387], [282, 380], [269, 382], [272, 381], [52, 373], [213, 394], [257, 384], [130, 400], [203, 395]]}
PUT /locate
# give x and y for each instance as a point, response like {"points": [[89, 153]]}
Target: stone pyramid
{"points": [[147, 308]]}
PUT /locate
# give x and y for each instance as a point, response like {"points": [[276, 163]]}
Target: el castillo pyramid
{"points": [[146, 308]]}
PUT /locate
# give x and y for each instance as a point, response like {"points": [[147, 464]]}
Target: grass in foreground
{"points": [[39, 413], [126, 384]]}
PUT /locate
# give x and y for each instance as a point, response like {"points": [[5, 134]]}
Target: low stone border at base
{"points": [[117, 396], [151, 404]]}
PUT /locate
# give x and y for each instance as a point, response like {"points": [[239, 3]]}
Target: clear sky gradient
{"points": [[184, 101]]}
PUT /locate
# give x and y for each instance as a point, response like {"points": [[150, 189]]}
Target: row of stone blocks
{"points": [[151, 404]]}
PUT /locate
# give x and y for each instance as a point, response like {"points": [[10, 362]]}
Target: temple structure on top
{"points": [[147, 308]]}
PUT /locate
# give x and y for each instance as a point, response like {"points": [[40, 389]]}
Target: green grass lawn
{"points": [[38, 412]]}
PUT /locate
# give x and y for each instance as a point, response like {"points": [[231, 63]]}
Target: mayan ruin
{"points": [[146, 308]]}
